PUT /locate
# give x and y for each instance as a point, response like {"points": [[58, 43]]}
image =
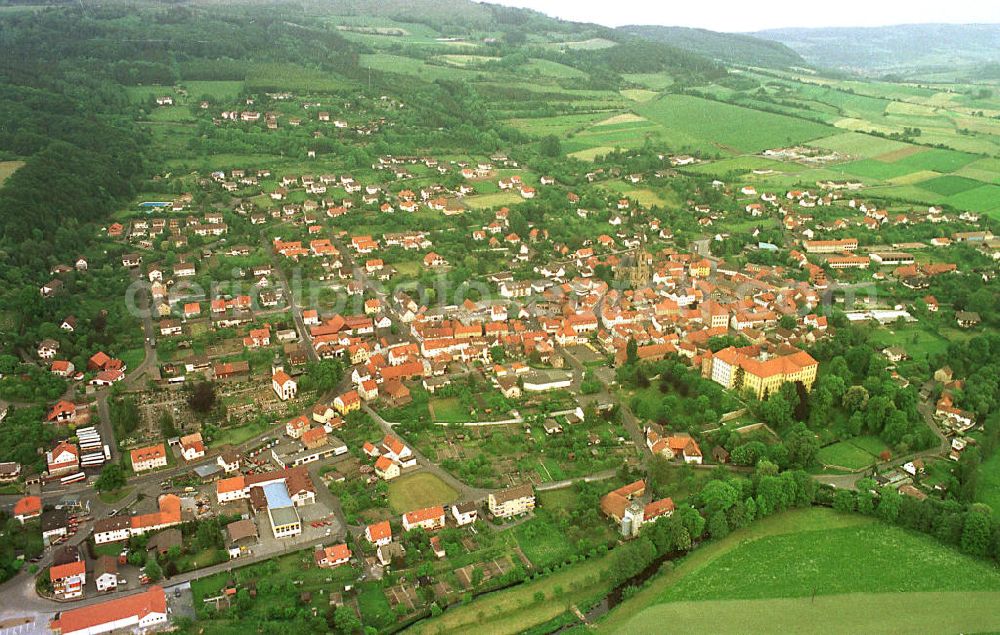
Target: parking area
{"points": [[180, 601], [585, 353]]}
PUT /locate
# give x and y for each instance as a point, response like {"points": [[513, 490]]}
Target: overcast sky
{"points": [[750, 15]]}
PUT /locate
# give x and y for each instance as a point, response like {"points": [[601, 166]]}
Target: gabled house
{"points": [[465, 513], [330, 557], [429, 519], [63, 459], [379, 534], [27, 508], [192, 446]]}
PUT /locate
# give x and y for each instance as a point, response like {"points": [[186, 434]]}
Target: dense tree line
{"points": [[22, 433], [724, 504], [971, 528], [853, 394], [683, 399]]}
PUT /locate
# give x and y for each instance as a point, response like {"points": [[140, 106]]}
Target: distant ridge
{"points": [[732, 48], [893, 48]]}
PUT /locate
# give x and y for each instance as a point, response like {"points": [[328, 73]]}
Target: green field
{"points": [[410, 66], [222, 90], [847, 454], [448, 409], [653, 81], [787, 570], [416, 491], [638, 94], [861, 145], [937, 160], [626, 134], [589, 154], [543, 543], [919, 341], [949, 185], [467, 60], [518, 609], [559, 125], [744, 165], [498, 199], [855, 613], [873, 169], [235, 435], [143, 93], [986, 170], [988, 489], [985, 198], [549, 68], [699, 122], [277, 76], [593, 44]]}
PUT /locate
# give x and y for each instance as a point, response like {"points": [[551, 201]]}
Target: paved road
{"points": [[290, 298], [147, 367], [590, 478]]}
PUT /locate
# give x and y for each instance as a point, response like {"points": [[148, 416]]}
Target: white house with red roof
{"points": [[398, 451], [68, 579], [429, 519], [680, 445], [27, 508], [330, 557], [62, 367], [140, 612], [63, 459], [63, 412], [379, 534], [368, 390], [149, 458], [386, 468], [192, 446], [295, 427]]}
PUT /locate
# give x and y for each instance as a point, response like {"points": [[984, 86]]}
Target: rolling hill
{"points": [[731, 48]]}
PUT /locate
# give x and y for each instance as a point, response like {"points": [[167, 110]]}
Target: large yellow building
{"points": [[760, 371]]}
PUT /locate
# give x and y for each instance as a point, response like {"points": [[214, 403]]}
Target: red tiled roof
{"points": [[61, 407], [783, 364], [281, 377], [28, 506], [58, 572], [421, 515], [313, 435], [141, 455], [65, 447], [153, 600], [333, 554], [349, 397], [380, 531], [658, 508], [227, 485], [169, 514], [393, 444]]}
